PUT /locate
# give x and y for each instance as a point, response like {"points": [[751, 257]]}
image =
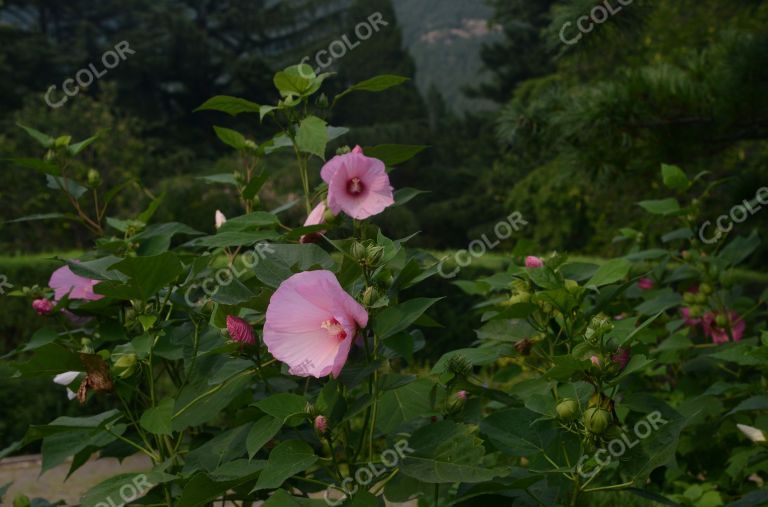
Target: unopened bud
{"points": [[597, 420], [94, 178], [321, 424], [459, 365], [42, 306], [358, 251], [567, 409], [62, 141]]}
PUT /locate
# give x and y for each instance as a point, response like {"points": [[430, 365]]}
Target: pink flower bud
{"points": [[533, 262], [462, 395], [240, 331], [595, 361], [321, 424], [219, 219], [42, 306], [645, 284]]}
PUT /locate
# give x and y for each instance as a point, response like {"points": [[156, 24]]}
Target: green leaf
{"points": [[147, 275], [43, 216], [200, 402], [405, 195], [664, 207], [283, 405], [41, 337], [226, 178], [394, 154], [279, 260], [230, 137], [250, 222], [312, 136], [262, 432], [610, 272], [252, 189], [403, 404], [35, 164], [157, 420], [544, 277], [44, 139], [113, 490], [229, 105], [296, 80], [397, 318], [374, 84], [446, 452], [75, 149], [69, 186], [674, 177], [286, 460], [516, 432]]}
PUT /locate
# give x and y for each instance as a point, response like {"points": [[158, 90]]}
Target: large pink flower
{"points": [[64, 282], [311, 322], [718, 333], [357, 185]]}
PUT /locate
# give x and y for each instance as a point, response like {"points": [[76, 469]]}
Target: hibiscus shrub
{"points": [[273, 363]]}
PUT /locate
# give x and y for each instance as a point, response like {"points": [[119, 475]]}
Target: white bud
{"points": [[220, 219], [752, 433]]}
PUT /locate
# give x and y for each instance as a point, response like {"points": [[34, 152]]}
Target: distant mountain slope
{"points": [[445, 37]]}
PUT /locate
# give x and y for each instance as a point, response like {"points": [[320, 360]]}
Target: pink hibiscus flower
{"points": [[311, 322], [533, 262], [240, 331], [357, 185], [64, 282], [718, 332], [316, 217]]}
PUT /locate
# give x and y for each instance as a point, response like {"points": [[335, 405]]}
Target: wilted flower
{"points": [[316, 217], [310, 317], [239, 330], [357, 185], [752, 433], [533, 262], [645, 284], [64, 282], [524, 346], [219, 219], [42, 306], [621, 357], [321, 424], [65, 379], [716, 326]]}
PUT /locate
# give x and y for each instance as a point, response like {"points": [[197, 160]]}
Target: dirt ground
{"points": [[24, 472]]}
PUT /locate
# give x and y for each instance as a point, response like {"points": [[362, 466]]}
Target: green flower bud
{"points": [[689, 297], [700, 297], [459, 365], [572, 286], [374, 254], [520, 298], [597, 420], [94, 178], [721, 320], [62, 141], [343, 150], [370, 296], [705, 288], [567, 409], [358, 251], [125, 365], [250, 145]]}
